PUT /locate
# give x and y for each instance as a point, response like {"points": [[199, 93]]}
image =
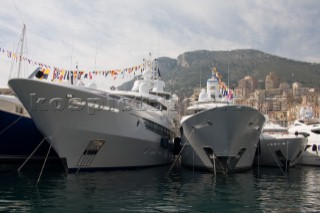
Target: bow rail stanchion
{"points": [[28, 158]]}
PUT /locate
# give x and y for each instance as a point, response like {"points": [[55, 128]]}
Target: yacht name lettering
{"points": [[92, 105], [73, 104]]}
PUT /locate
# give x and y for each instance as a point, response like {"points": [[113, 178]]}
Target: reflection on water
{"points": [[150, 190]]}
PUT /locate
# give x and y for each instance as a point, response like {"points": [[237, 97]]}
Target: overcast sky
{"points": [[111, 34]]}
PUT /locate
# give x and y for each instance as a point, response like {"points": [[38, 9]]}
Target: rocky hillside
{"points": [[191, 69]]}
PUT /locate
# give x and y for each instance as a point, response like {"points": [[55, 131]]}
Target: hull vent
{"points": [[90, 153]]}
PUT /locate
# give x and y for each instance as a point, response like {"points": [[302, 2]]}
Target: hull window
{"points": [[19, 110], [158, 129], [314, 147]]}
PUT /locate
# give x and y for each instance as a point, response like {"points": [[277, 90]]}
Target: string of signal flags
{"points": [[65, 74]]}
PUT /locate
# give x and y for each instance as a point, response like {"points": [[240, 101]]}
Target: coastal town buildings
{"points": [[277, 99]]}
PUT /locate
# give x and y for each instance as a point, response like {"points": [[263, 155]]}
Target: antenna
{"points": [[15, 6]]}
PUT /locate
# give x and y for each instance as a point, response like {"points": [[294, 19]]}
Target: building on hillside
{"points": [[252, 83], [246, 86], [285, 88], [261, 85], [260, 96], [296, 89], [272, 81]]}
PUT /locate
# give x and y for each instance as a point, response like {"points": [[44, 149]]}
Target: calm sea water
{"points": [[150, 190]]}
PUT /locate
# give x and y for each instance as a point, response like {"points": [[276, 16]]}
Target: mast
{"points": [[228, 76], [95, 58], [21, 50], [152, 67], [200, 73]]}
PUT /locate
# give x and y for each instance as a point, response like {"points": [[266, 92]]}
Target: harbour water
{"points": [[151, 190]]}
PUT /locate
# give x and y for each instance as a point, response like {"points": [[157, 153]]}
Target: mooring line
{"points": [[179, 153], [28, 158], [176, 159], [44, 163], [273, 155], [5, 129]]}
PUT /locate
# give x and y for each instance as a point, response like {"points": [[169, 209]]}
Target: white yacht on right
{"points": [[311, 127], [223, 136], [278, 147]]}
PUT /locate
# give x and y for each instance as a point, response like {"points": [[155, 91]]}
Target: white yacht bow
{"points": [[311, 128], [223, 136], [278, 147], [94, 129]]}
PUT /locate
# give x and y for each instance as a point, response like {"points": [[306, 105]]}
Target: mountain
{"points": [[191, 69]]}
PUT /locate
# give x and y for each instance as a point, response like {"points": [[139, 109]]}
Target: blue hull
{"points": [[19, 140]]}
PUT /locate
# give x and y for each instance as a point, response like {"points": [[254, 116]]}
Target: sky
{"points": [[116, 34]]}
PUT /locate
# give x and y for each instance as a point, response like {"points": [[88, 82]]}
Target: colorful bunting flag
{"points": [[62, 74]]}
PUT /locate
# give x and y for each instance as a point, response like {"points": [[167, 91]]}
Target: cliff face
{"points": [[191, 69]]}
